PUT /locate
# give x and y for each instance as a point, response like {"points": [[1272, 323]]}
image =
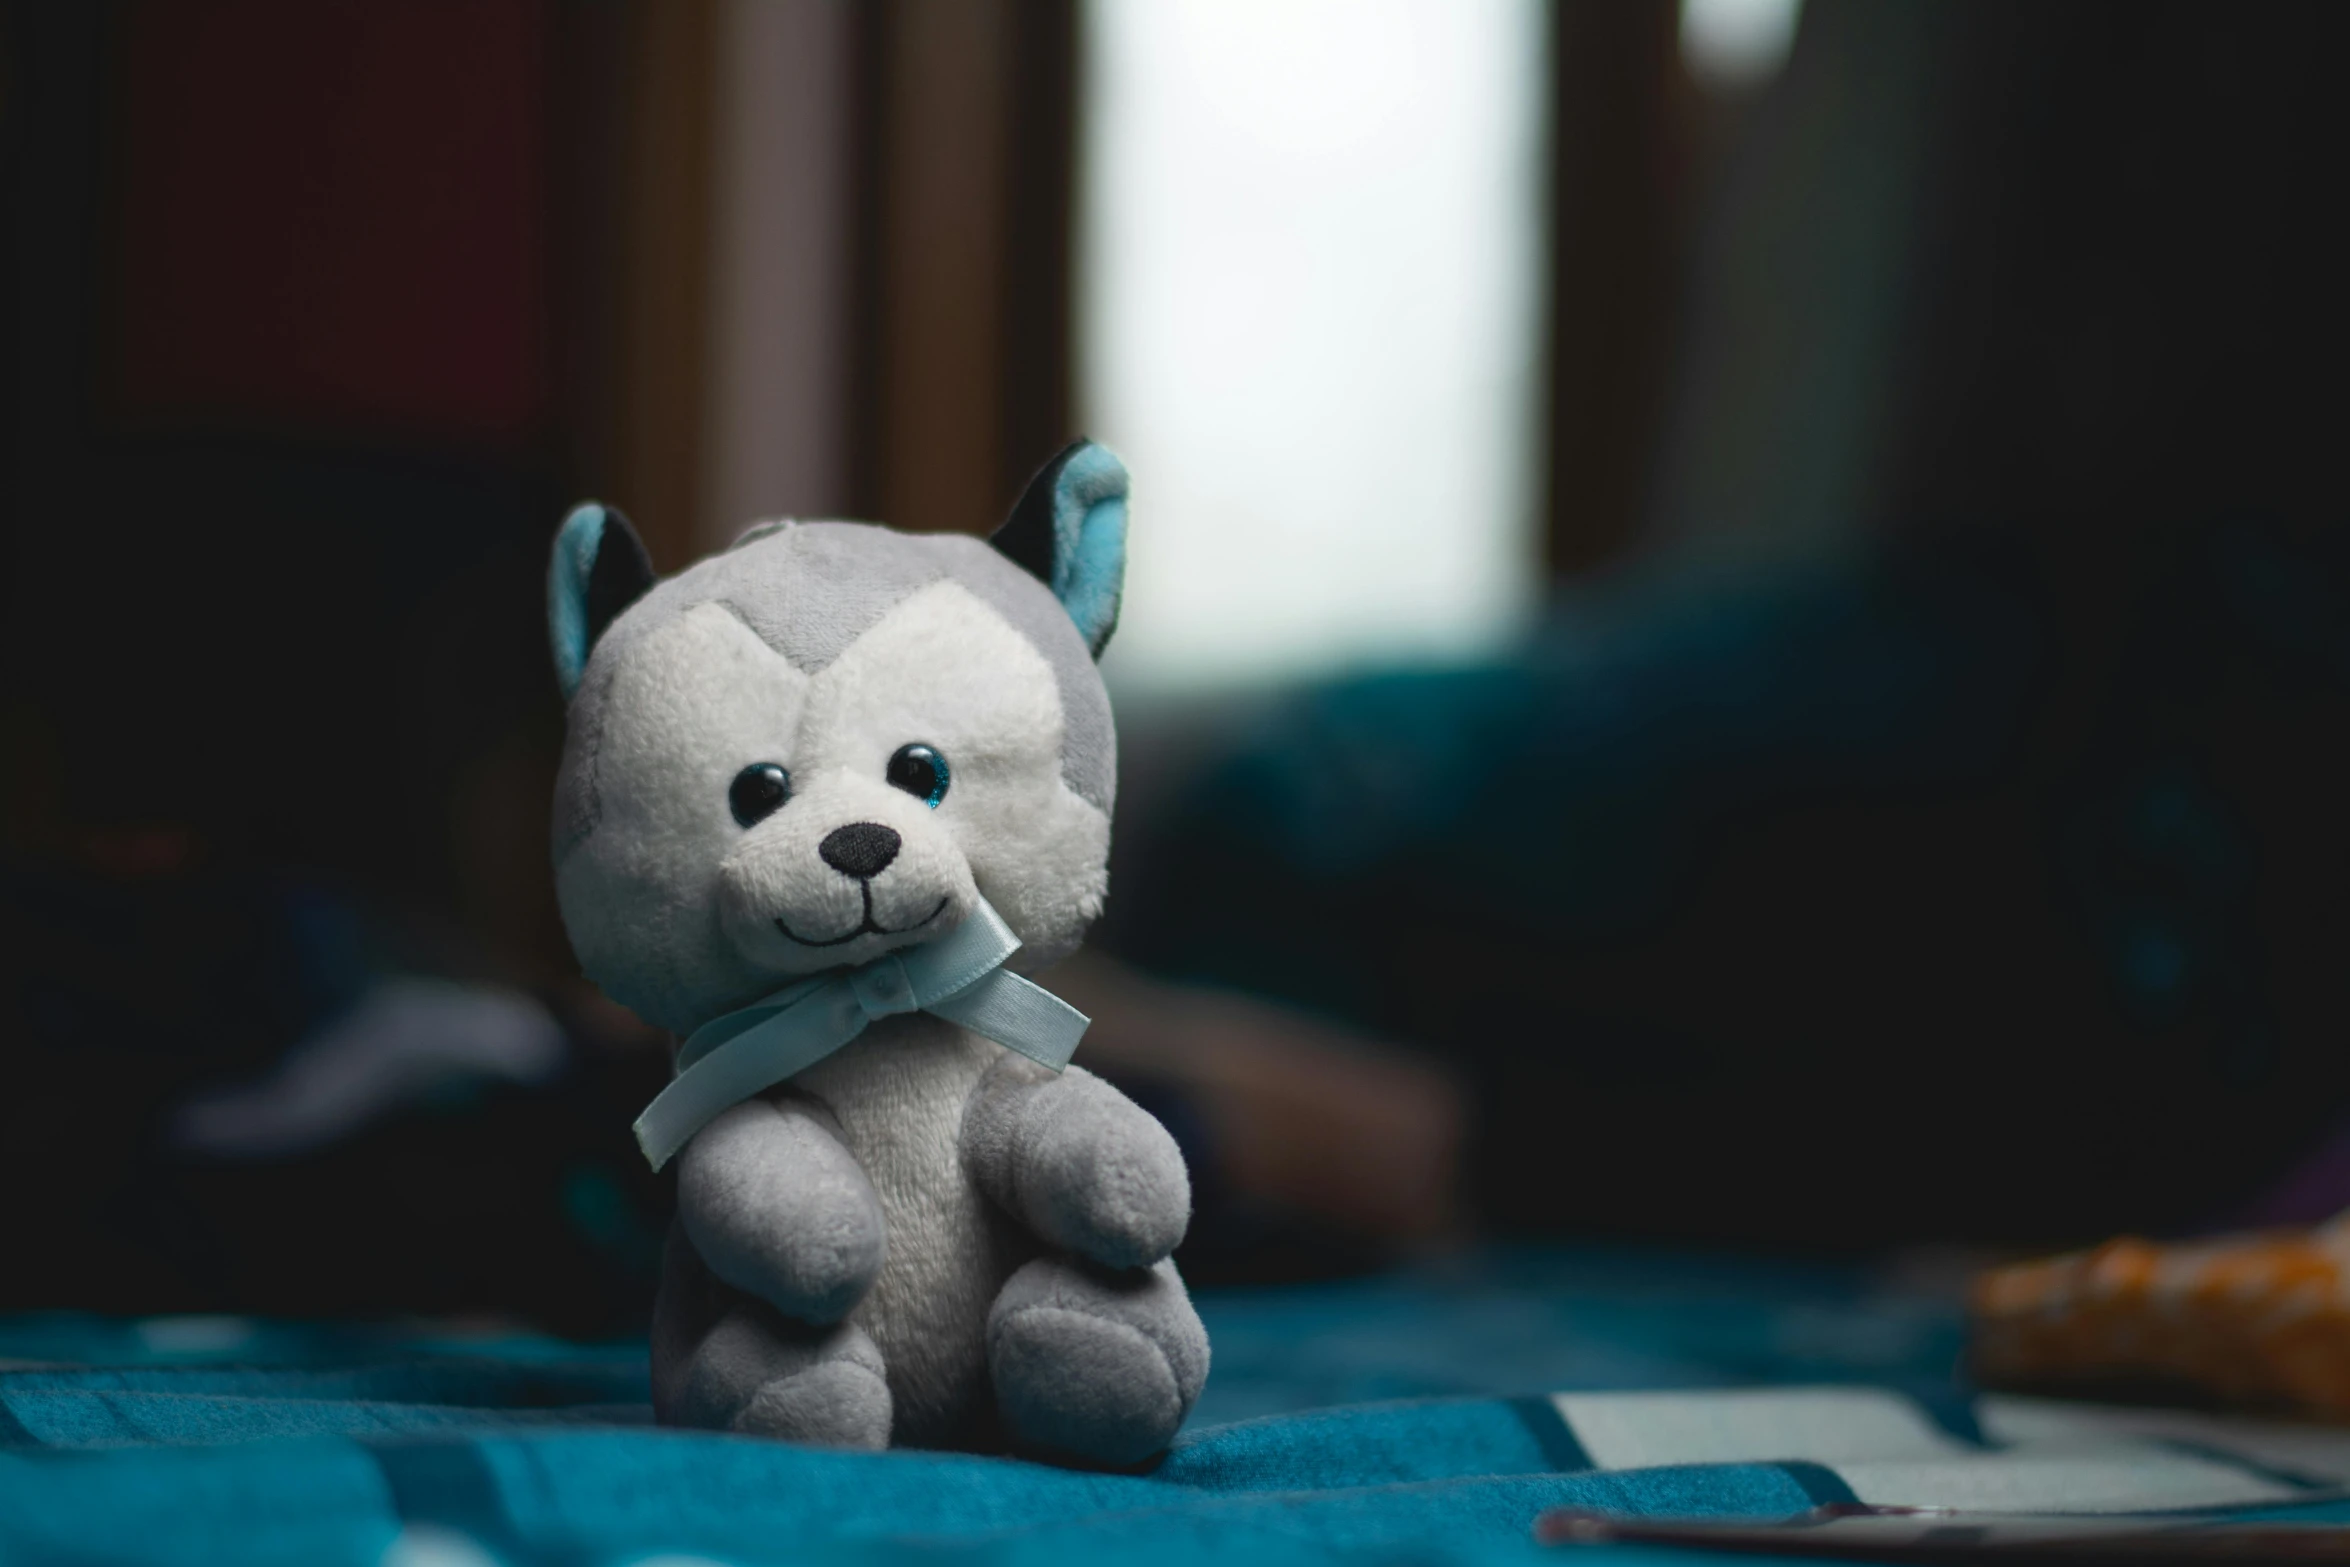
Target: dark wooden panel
{"points": [[964, 374], [664, 269], [1619, 101]]}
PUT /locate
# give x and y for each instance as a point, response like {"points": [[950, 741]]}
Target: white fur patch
{"points": [[945, 670], [898, 1094], [690, 707]]}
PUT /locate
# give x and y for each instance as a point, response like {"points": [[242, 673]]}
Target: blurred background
{"points": [[1739, 629]]}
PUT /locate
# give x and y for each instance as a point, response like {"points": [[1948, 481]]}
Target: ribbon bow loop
{"points": [[960, 977], [882, 988]]}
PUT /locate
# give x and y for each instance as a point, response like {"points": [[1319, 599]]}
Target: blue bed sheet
{"points": [[1405, 1418]]}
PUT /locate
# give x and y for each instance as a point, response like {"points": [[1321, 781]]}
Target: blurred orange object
{"points": [[2258, 1319]]}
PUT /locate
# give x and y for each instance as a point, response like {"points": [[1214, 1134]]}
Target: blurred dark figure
{"points": [[1977, 872], [226, 1093]]}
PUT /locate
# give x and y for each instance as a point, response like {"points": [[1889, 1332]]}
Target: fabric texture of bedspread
{"points": [[1425, 1417]]}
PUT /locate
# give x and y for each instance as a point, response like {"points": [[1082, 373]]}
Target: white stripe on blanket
{"points": [[2037, 1456]]}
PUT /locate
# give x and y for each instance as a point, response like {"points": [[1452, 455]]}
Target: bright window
{"points": [[1309, 319], [1737, 43]]}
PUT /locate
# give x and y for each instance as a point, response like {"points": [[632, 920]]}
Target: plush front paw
{"points": [[1093, 1366], [779, 1209], [1100, 1176]]}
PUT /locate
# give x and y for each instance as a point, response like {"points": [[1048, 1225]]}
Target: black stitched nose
{"points": [[860, 849]]}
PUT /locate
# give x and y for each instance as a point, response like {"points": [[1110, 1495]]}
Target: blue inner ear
{"points": [[568, 576], [1089, 541]]}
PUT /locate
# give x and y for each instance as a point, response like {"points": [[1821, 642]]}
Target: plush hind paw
{"points": [[1094, 1366], [757, 1374], [837, 1404]]}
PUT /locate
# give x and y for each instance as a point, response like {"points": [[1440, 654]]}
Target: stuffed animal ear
{"points": [[1069, 530], [600, 568]]}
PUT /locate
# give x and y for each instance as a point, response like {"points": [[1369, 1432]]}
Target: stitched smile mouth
{"points": [[865, 927]]}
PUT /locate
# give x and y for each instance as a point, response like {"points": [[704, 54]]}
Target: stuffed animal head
{"points": [[827, 742]]}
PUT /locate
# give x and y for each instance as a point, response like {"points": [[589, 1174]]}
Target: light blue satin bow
{"points": [[960, 977]]}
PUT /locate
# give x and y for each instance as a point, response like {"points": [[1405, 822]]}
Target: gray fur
{"points": [[1079, 1162], [1095, 1365], [977, 1331], [577, 800], [923, 1238]]}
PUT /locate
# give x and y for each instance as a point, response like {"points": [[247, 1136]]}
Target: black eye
{"points": [[758, 792], [921, 772]]}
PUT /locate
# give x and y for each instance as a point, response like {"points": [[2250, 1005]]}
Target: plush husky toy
{"points": [[816, 789]]}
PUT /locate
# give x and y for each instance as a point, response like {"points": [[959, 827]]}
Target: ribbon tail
{"points": [[1019, 1015], [718, 1031], [750, 1063]]}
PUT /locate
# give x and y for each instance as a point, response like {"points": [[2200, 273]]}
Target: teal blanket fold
{"points": [[1426, 1418]]}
